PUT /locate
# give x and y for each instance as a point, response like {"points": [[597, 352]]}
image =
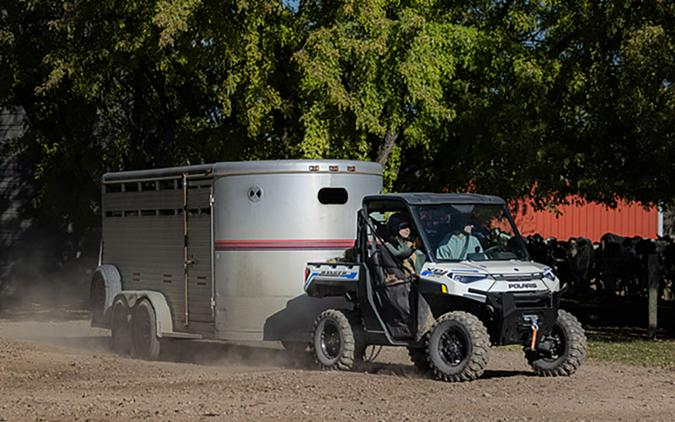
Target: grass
{"points": [[630, 347]]}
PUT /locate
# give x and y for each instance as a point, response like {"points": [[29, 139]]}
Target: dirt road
{"points": [[63, 371]]}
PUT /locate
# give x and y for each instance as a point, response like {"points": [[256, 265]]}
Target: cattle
{"points": [[572, 260], [617, 265]]}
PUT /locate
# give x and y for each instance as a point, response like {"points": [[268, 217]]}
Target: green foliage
{"points": [[378, 69], [130, 84], [513, 98]]}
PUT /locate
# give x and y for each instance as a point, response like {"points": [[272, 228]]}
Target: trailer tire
{"points": [[418, 356], [568, 335], [144, 331], [334, 343], [97, 299], [457, 347], [120, 342]]}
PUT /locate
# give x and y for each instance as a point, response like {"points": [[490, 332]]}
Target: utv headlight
{"points": [[466, 279], [548, 273]]}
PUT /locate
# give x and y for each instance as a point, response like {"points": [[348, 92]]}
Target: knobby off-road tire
{"points": [[418, 356], [335, 341], [121, 328], [144, 331], [457, 347], [570, 340]]}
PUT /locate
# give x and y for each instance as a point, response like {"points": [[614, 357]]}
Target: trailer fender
{"points": [[106, 283], [164, 323]]}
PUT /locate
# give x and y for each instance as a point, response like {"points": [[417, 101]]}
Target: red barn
{"points": [[588, 220]]}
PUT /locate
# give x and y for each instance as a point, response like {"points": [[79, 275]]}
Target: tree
{"points": [[133, 84], [377, 76], [515, 98]]}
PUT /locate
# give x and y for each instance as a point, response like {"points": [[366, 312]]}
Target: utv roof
{"points": [[424, 198]]}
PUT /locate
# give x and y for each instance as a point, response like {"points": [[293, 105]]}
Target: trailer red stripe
{"points": [[283, 244]]}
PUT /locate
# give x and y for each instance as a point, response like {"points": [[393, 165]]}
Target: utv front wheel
{"points": [[458, 347], [566, 351], [334, 342]]}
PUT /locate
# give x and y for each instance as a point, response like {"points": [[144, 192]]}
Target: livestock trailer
{"points": [[218, 251]]}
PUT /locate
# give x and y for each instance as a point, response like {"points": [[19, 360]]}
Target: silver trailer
{"points": [[218, 251]]}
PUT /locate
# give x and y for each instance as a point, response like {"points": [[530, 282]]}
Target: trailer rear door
{"points": [[199, 252]]}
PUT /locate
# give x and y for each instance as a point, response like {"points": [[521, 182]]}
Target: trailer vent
{"points": [[131, 187], [255, 193], [330, 196], [113, 188]]}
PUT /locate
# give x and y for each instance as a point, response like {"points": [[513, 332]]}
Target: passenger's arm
{"points": [[401, 253]]}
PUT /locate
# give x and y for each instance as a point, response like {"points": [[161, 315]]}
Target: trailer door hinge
{"points": [[212, 199]]}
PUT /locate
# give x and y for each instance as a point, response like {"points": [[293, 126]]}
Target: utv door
{"points": [[385, 284]]}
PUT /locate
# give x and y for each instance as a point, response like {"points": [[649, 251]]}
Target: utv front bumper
{"points": [[514, 318]]}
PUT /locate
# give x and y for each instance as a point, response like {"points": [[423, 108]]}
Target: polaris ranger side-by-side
{"points": [[447, 276]]}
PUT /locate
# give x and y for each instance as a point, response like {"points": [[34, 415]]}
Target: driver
{"points": [[461, 241]]}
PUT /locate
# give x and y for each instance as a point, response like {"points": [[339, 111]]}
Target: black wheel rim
{"points": [[559, 343], [453, 346], [331, 342]]}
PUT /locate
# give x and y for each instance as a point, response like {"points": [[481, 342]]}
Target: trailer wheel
{"points": [[97, 299], [458, 346], [568, 352], [121, 328], [334, 343], [144, 331], [418, 356]]}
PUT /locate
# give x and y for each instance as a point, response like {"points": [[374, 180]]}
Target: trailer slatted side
{"points": [[143, 235]]}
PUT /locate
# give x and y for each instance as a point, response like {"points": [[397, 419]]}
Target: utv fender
{"points": [[106, 284], [164, 323]]}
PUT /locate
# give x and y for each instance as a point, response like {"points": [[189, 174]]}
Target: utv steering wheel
{"points": [[491, 250]]}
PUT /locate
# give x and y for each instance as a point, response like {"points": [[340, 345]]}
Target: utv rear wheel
{"points": [[568, 349], [121, 328], [458, 347], [334, 342], [144, 331]]}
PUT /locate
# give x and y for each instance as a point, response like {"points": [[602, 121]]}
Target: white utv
{"points": [[447, 276]]}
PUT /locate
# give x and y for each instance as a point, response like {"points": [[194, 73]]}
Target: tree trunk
{"points": [[385, 149]]}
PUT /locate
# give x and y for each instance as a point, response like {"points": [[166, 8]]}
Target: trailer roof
{"points": [[420, 198], [233, 168]]}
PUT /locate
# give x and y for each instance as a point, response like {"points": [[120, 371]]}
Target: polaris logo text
{"points": [[522, 285]]}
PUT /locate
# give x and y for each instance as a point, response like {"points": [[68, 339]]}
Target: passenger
{"points": [[403, 246], [460, 243]]}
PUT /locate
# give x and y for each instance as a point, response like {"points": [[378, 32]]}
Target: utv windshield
{"points": [[471, 232]]}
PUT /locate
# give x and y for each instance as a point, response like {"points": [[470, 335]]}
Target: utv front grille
{"points": [[531, 301]]}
